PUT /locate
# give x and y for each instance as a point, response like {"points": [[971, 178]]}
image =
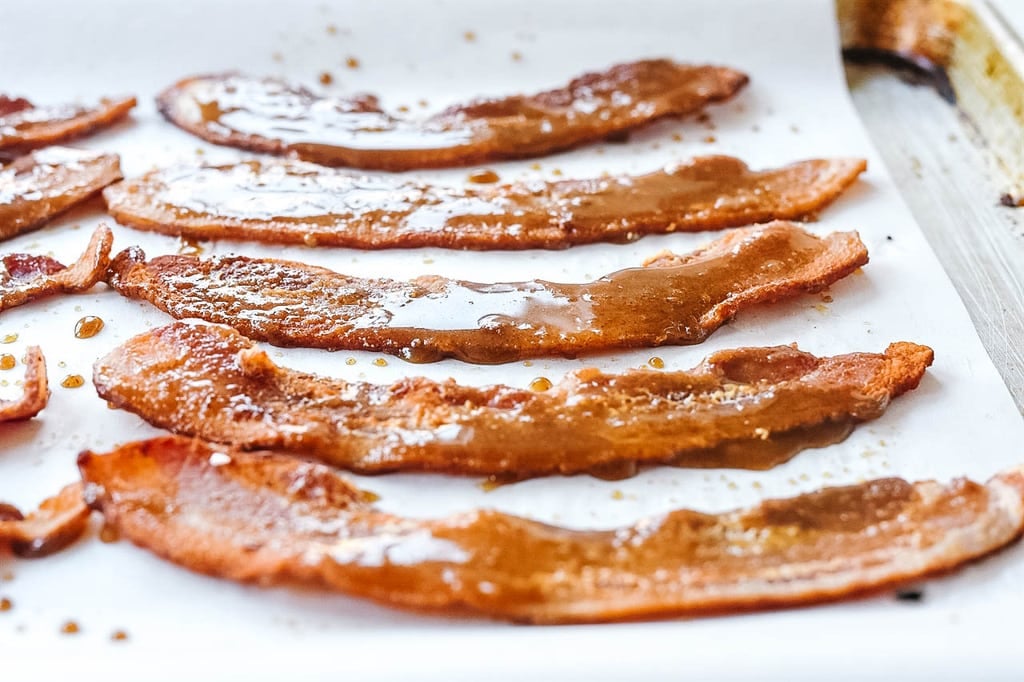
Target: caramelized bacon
{"points": [[672, 300], [25, 278], [57, 523], [35, 392], [290, 202], [271, 519], [36, 188], [211, 382], [24, 126], [271, 115]]}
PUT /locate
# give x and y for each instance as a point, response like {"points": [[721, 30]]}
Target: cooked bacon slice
{"points": [[36, 391], [24, 126], [36, 188], [290, 202], [57, 523], [25, 277], [211, 382], [672, 300], [271, 115], [271, 519]]}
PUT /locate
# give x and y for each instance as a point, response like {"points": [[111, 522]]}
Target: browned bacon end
{"points": [[25, 278], [24, 126], [57, 523]]}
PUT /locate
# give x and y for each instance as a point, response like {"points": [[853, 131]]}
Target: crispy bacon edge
{"points": [[43, 276], [59, 521], [36, 391], [105, 114]]}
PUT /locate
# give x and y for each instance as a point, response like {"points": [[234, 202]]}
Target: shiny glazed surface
{"points": [[271, 115], [211, 382], [673, 299], [24, 126], [39, 186], [269, 519], [291, 202]]}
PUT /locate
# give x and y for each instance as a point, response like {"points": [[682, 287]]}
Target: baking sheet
{"points": [[960, 421]]}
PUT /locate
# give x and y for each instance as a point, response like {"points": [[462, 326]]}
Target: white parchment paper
{"points": [[960, 421]]}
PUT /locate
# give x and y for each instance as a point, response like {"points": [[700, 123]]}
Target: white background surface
{"points": [[960, 420]]}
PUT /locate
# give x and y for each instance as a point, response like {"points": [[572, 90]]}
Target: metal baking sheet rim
{"points": [[972, 49]]}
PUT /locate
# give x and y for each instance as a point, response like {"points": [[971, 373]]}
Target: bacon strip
{"points": [[211, 382], [57, 523], [25, 277], [36, 391], [271, 519], [672, 300], [271, 115], [24, 126], [290, 202], [40, 186]]}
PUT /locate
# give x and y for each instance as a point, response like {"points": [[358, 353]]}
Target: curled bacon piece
{"points": [[672, 300], [25, 278], [738, 408], [57, 523], [271, 115], [24, 126], [39, 186], [271, 519], [290, 202], [36, 391]]}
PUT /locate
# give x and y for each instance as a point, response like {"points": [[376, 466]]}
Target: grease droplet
{"points": [[88, 327], [119, 636], [10, 338], [6, 604], [656, 362], [350, 361], [7, 361], [326, 78], [380, 362], [352, 63], [73, 381], [540, 384], [484, 176], [109, 534], [70, 628]]}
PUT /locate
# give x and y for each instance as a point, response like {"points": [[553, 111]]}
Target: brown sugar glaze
{"points": [[290, 202], [37, 187], [24, 126], [270, 519], [673, 299], [211, 382], [271, 115]]}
